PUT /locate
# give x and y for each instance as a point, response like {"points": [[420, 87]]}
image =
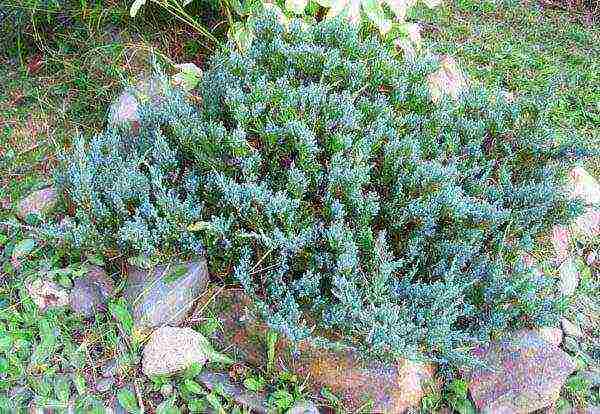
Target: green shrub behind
{"points": [[317, 173]]}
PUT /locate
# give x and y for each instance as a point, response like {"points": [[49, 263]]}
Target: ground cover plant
{"points": [[397, 223]]}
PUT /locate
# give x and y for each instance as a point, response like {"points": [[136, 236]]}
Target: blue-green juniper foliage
{"points": [[315, 171]]}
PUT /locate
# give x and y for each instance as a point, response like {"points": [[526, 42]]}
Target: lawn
{"points": [[58, 75]]}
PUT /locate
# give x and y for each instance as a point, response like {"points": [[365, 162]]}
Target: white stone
{"points": [[171, 350], [551, 335], [46, 294], [571, 329], [569, 277]]}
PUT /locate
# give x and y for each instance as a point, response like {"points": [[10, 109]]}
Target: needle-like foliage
{"points": [[317, 173]]}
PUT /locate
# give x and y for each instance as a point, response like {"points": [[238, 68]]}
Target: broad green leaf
{"points": [[375, 13], [193, 387], [62, 389], [271, 345], [188, 76], [128, 401], [241, 35], [215, 403], [282, 399], [175, 273], [296, 6], [255, 383], [135, 7], [211, 354], [23, 248], [192, 370], [197, 405], [79, 383], [122, 315]]}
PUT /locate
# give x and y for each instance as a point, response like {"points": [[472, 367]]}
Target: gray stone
{"points": [[165, 294], [104, 384], [91, 291], [523, 373], [552, 335], [125, 110], [171, 350], [38, 203], [109, 368], [593, 376], [571, 329], [569, 277], [304, 407], [256, 401], [166, 389]]}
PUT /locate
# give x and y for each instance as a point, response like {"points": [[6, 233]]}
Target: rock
{"points": [[447, 80], [171, 350], [523, 374], [91, 291], [569, 277], [391, 387], [560, 240], [256, 401], [47, 295], [109, 368], [125, 110], [304, 407], [104, 384], [551, 335], [164, 295], [582, 185], [593, 376], [570, 344], [38, 203], [166, 389], [569, 328]]}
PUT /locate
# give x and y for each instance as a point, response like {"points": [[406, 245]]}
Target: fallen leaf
{"points": [[34, 64]]}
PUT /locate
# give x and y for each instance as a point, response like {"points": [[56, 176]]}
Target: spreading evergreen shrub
{"points": [[315, 171]]}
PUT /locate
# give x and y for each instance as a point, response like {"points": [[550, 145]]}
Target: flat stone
{"points": [[47, 294], [447, 80], [524, 373], [38, 203], [569, 277], [561, 239], [552, 335], [91, 291], [304, 407], [125, 110], [165, 294], [392, 387], [584, 186], [104, 384], [170, 350], [571, 329], [257, 401]]}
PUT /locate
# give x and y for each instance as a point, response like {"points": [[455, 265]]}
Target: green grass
{"points": [[57, 357], [529, 51]]}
